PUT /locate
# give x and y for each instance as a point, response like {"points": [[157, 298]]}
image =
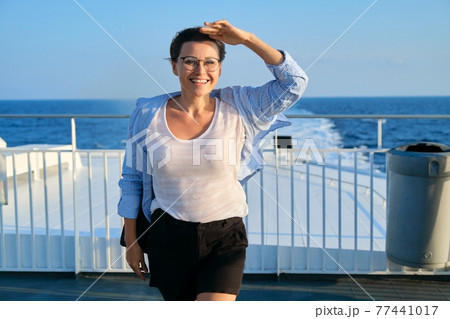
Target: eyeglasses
{"points": [[192, 63]]}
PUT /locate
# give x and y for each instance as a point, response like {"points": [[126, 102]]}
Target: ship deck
{"points": [[34, 286]]}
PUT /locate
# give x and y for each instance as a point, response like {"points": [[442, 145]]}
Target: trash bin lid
{"points": [[424, 147], [424, 159]]}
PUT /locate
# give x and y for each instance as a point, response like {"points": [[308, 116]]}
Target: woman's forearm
{"points": [[130, 231], [269, 54]]}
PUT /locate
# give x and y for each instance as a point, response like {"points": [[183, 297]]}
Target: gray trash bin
{"points": [[418, 205]]}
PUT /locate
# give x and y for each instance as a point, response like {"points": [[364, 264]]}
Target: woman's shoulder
{"points": [[227, 110], [144, 103], [146, 109]]}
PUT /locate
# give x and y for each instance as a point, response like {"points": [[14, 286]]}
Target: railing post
{"points": [[61, 212], [74, 133], [16, 210], [371, 210], [76, 235], [30, 194], [380, 133], [261, 181], [3, 237]]}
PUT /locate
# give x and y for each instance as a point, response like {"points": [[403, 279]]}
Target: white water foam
{"points": [[324, 135]]}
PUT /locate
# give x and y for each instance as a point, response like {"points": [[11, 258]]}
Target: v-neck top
{"points": [[164, 112], [196, 180]]}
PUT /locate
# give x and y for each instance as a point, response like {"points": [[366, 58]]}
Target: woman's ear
{"points": [[174, 68]]}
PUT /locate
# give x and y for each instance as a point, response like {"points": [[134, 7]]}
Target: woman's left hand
{"points": [[223, 30]]}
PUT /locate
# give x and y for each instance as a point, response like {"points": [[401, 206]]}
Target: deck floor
{"points": [[19, 286]]}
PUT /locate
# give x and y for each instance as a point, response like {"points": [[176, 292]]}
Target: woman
{"points": [[187, 156]]}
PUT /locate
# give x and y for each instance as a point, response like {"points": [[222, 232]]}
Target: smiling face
{"points": [[197, 82]]}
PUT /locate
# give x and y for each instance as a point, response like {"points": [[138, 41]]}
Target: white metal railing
{"points": [[57, 214], [322, 185], [304, 217]]}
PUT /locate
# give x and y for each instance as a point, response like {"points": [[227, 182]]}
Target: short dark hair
{"points": [[192, 34]]}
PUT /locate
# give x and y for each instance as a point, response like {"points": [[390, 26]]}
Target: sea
{"points": [[326, 133]]}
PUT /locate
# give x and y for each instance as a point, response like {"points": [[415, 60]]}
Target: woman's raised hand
{"points": [[223, 30]]}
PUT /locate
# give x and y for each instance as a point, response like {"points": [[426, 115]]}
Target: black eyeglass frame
{"points": [[198, 62]]}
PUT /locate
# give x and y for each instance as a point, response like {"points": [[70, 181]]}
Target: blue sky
{"points": [[51, 49]]}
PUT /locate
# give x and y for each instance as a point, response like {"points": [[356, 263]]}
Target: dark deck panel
{"points": [[20, 286]]}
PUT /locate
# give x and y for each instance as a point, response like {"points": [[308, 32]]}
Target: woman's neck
{"points": [[195, 105]]}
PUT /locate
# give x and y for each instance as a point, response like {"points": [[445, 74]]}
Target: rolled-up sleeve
{"points": [[264, 102], [131, 182], [280, 94], [287, 88], [261, 108]]}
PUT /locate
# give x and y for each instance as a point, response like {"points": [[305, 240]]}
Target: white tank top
{"points": [[196, 180]]}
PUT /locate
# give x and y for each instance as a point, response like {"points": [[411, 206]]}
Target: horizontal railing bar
{"points": [[370, 116], [298, 116], [332, 150], [265, 150], [27, 150], [69, 116]]}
